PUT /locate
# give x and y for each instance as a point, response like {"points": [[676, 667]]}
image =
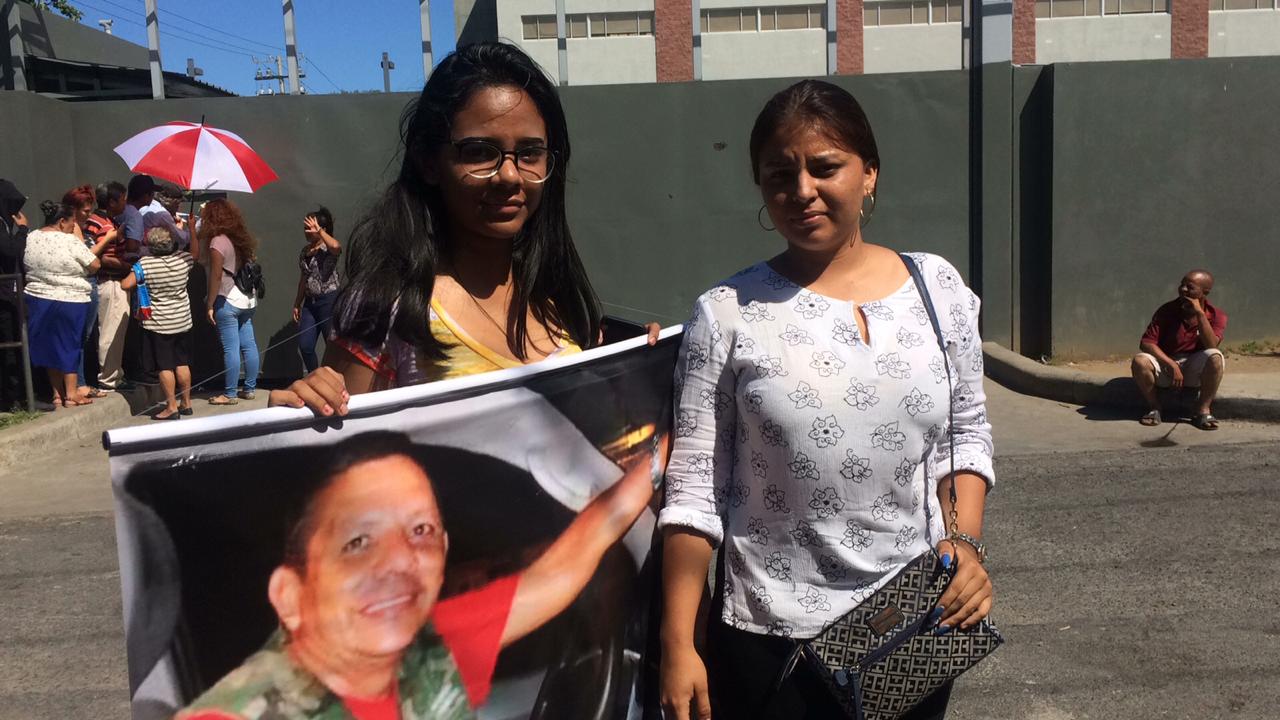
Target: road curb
{"points": [[1029, 377], [25, 443]]}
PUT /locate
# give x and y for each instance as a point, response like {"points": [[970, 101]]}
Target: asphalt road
{"points": [[1135, 571]]}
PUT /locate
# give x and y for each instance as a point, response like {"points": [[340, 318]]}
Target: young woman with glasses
{"points": [[466, 263]]}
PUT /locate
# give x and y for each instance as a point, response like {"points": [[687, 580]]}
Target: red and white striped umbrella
{"points": [[196, 157]]}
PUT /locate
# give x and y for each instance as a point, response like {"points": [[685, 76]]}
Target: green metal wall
{"points": [[1101, 184], [1159, 167]]}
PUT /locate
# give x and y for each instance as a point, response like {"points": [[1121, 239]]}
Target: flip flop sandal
{"points": [[1151, 419], [1205, 422], [94, 394], [186, 410], [222, 400], [76, 403]]}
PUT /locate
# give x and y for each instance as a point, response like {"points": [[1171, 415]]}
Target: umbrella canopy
{"points": [[196, 157]]}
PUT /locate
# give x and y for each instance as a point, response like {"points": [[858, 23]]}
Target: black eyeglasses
{"points": [[482, 159]]}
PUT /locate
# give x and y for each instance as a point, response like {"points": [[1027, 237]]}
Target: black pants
{"points": [[743, 668]]}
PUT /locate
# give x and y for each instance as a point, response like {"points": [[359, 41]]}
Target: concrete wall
{"points": [[1115, 37], [770, 54], [1160, 167], [912, 48], [1244, 32]]}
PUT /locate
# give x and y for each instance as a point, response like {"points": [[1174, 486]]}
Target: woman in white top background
{"points": [[812, 439], [57, 295]]}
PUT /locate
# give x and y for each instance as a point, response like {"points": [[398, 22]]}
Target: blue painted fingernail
{"points": [[937, 613], [946, 561], [942, 630]]}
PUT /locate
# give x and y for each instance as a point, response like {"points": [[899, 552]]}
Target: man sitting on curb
{"points": [[1180, 348]]}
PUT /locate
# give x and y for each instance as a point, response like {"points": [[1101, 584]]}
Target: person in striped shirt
{"points": [[166, 333]]}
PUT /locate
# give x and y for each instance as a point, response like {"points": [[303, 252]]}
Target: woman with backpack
{"points": [[233, 294]]}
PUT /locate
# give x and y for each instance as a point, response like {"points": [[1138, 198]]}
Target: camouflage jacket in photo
{"points": [[270, 686]]}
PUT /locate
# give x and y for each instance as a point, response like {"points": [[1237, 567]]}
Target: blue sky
{"points": [[343, 45]]}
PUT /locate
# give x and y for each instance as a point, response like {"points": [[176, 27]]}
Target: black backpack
{"points": [[250, 281]]}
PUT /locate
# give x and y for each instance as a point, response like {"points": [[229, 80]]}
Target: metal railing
{"points": [[15, 283]]}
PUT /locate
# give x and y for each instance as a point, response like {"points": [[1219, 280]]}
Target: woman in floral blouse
{"points": [[813, 445]]}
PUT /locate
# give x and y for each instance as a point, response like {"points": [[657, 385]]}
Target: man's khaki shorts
{"points": [[1192, 364]]}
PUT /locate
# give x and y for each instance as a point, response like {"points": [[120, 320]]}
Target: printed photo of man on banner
{"points": [[474, 548]]}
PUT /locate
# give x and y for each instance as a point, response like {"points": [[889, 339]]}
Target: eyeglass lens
{"points": [[483, 160]]}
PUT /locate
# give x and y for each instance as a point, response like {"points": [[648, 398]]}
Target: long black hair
{"points": [[397, 247]]}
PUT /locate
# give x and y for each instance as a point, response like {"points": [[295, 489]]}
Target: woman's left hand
{"points": [[968, 598], [652, 330], [212, 320]]}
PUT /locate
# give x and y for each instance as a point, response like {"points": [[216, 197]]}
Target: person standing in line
{"points": [[113, 302], [84, 200], [317, 284], [813, 444], [159, 213], [57, 296], [228, 307], [166, 332], [13, 244]]}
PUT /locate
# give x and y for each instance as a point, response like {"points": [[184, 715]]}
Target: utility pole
{"points": [[424, 11], [192, 70], [264, 73], [290, 46], [387, 67], [153, 49]]}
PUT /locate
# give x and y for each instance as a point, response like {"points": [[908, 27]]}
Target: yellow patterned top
{"points": [[399, 364]]}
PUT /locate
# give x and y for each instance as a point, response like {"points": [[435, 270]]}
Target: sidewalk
{"points": [[28, 442], [1250, 389]]}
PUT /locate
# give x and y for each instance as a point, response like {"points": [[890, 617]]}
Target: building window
{"points": [[583, 25], [1216, 5], [1097, 8], [911, 12], [751, 19]]}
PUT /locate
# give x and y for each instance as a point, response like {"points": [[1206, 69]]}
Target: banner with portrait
{"points": [[492, 535]]}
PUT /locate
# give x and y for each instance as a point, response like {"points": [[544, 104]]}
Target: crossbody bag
{"points": [[882, 658]]}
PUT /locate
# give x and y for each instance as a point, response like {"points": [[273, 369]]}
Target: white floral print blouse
{"points": [[812, 453]]}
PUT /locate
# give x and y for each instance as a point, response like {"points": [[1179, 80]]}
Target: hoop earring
{"points": [[760, 220], [864, 214]]}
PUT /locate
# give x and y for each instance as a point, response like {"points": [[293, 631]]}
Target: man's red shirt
{"points": [[1178, 334]]}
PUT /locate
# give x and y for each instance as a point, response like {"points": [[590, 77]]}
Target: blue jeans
{"points": [[91, 321], [313, 321], [235, 328]]}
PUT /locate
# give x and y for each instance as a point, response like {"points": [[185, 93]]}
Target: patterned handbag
{"points": [[882, 658]]}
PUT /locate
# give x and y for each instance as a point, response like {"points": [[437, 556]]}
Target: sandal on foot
{"points": [[68, 402], [171, 416], [186, 410], [222, 400], [246, 395], [93, 394], [1151, 419], [1205, 421]]}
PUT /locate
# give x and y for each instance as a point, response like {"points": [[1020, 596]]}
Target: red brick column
{"points": [[1024, 32], [849, 39], [1190, 29], [673, 36]]}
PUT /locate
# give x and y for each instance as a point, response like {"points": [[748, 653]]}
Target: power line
{"points": [[173, 34], [323, 74], [166, 11]]}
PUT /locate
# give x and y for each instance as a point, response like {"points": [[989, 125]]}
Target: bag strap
{"points": [[946, 364]]}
